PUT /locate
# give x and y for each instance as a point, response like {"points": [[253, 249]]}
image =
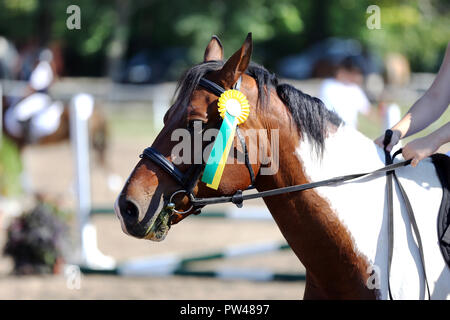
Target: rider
{"points": [[343, 93], [425, 111], [36, 115]]}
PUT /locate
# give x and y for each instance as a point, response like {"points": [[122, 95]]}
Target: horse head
{"points": [[142, 204]]}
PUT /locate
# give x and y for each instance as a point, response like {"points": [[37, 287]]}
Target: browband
{"points": [[215, 88], [211, 86]]}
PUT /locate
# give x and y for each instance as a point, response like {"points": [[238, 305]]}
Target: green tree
{"points": [[417, 28]]}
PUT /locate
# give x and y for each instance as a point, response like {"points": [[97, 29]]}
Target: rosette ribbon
{"points": [[234, 110]]}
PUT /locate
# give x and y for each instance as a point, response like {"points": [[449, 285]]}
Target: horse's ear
{"points": [[214, 50], [238, 63]]}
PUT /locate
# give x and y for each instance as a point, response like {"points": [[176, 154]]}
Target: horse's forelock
{"points": [[189, 81]]}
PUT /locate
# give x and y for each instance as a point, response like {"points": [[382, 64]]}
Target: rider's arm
{"points": [[421, 148], [427, 109]]}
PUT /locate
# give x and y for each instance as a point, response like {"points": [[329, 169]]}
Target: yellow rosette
{"points": [[235, 104], [234, 110]]}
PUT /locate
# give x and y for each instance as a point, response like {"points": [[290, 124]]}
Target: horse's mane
{"points": [[309, 113]]}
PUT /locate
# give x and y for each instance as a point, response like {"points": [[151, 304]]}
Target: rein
{"points": [[389, 189], [239, 197]]}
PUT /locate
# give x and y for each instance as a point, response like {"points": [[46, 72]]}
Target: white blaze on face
{"points": [[360, 205]]}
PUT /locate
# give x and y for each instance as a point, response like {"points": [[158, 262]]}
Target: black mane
{"points": [[309, 113]]}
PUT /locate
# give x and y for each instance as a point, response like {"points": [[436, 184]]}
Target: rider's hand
{"points": [[396, 135], [419, 149]]}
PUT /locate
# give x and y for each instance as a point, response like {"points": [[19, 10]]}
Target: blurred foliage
{"points": [[10, 169], [37, 240], [417, 28]]}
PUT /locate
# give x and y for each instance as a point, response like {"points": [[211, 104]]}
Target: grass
{"points": [[10, 169]]}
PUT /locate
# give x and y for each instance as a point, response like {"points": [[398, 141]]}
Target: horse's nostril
{"points": [[131, 210]]}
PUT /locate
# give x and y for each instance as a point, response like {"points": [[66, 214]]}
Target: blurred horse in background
{"points": [[35, 118], [98, 132]]}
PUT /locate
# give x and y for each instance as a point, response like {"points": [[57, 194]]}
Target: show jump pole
{"points": [[81, 109]]}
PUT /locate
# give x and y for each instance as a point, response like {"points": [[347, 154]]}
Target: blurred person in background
{"points": [[343, 93], [424, 112], [36, 114]]}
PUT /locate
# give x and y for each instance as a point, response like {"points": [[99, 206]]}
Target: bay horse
{"points": [[339, 233]]}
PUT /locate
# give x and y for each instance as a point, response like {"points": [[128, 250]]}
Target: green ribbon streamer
{"points": [[218, 148]]}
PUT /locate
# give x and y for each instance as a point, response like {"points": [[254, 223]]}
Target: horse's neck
{"points": [[360, 204], [309, 221]]}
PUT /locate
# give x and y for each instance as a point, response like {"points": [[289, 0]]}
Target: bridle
{"points": [[189, 180]]}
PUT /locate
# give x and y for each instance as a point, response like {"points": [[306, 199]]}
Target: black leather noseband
{"points": [[166, 165]]}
